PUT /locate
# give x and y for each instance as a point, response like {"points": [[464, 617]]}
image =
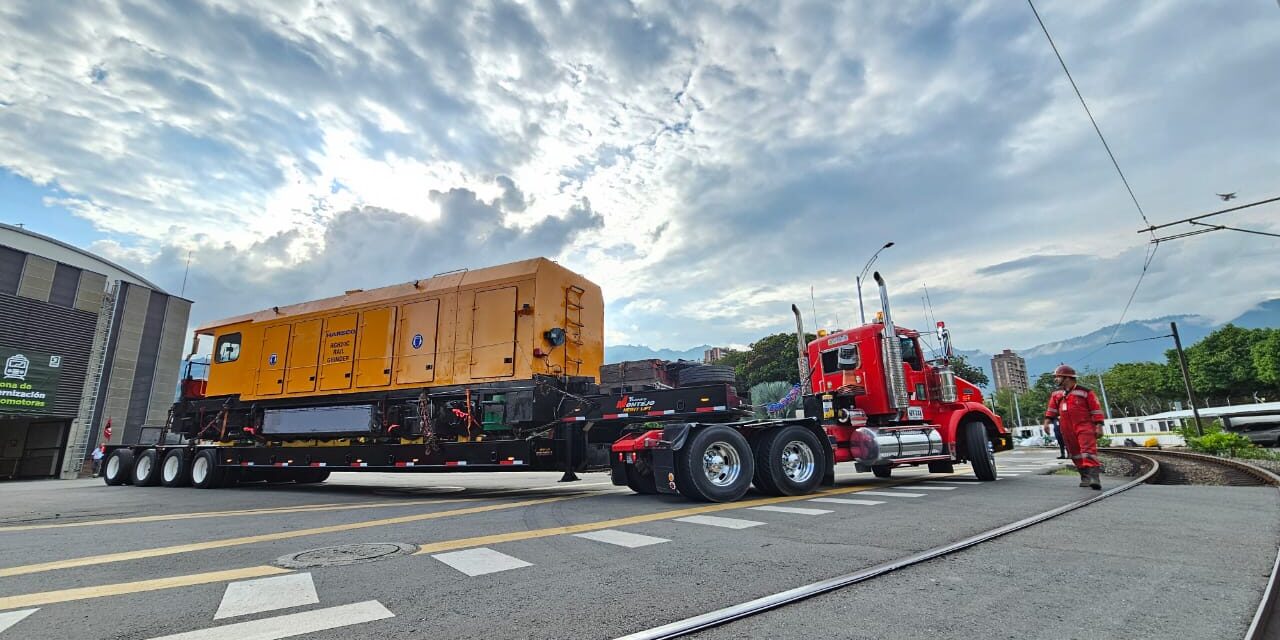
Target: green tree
{"points": [[1266, 358], [769, 359], [1139, 388], [968, 372], [1222, 365]]}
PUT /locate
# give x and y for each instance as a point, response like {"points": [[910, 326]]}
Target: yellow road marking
{"points": [[335, 506], [268, 537], [84, 593], [479, 541]]}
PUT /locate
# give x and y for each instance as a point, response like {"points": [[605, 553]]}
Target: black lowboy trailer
{"points": [[545, 424]]}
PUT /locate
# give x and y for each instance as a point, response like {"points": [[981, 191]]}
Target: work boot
{"points": [[1084, 478], [1095, 478]]}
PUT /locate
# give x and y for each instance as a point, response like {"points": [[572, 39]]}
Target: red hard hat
{"points": [[1065, 371]]}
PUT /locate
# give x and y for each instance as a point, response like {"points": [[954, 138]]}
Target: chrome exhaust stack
{"points": [[895, 379], [802, 353]]}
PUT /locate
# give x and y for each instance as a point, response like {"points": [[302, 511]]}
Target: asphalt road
{"points": [[497, 555]]}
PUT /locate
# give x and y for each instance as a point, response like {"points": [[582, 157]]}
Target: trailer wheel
{"points": [[310, 476], [980, 455], [788, 462], [716, 465], [118, 467], [882, 470], [146, 469], [174, 471], [205, 472]]}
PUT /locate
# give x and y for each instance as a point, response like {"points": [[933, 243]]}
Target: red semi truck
{"points": [[870, 398]]}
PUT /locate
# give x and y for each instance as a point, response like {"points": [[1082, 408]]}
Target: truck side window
{"points": [[910, 354], [849, 357], [228, 348]]}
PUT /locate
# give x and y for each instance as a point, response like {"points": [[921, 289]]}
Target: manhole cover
{"points": [[344, 554]]}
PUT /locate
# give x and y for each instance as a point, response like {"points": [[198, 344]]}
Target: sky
{"points": [[708, 164]]}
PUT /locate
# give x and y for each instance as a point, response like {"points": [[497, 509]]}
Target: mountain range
{"points": [[1142, 342]]}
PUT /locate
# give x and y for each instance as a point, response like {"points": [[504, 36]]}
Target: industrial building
{"points": [[1010, 371], [82, 341]]}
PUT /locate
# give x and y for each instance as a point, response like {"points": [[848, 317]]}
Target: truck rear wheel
{"points": [[205, 472], [980, 455], [118, 467], [788, 462], [146, 469], [715, 465], [174, 471]]}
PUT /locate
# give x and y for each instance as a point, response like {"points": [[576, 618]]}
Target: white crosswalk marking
{"points": [[847, 501], [10, 618], [621, 538], [716, 521], [294, 624], [923, 488], [478, 562], [894, 494], [956, 484], [1010, 475], [799, 511], [267, 594]]}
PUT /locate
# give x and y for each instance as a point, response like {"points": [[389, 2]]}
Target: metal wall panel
{"points": [[11, 263], [40, 326], [90, 291], [66, 279], [37, 278], [127, 338], [168, 361], [144, 371]]}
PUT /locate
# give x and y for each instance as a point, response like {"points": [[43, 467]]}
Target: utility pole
{"points": [[1016, 409], [1186, 377], [1103, 388]]}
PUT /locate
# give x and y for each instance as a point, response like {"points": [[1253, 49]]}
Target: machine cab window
{"points": [[227, 348]]}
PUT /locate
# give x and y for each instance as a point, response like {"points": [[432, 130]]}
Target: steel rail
{"points": [[1265, 616], [774, 601]]}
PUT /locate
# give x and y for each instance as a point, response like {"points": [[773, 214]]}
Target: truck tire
{"points": [[117, 469], [882, 470], [980, 455], [641, 481], [205, 472], [942, 467], [174, 469], [789, 462], [715, 465], [146, 469], [310, 476]]}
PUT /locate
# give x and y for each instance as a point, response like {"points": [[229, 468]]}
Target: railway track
{"points": [[1155, 467]]}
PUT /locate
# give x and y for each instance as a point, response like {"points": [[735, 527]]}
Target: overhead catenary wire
{"points": [[1089, 113], [1146, 265], [1194, 219]]}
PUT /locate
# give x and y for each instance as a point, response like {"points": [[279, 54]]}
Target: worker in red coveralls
{"points": [[1080, 417]]}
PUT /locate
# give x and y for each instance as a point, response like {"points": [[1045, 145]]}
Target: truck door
{"points": [[304, 354], [275, 341], [337, 351], [493, 333], [373, 354], [416, 342]]}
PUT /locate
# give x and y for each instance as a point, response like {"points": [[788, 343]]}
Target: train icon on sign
{"points": [[16, 367]]}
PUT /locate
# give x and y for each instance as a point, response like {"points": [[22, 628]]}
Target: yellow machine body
{"points": [[457, 328]]}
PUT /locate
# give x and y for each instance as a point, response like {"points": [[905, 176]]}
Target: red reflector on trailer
{"points": [[455, 463]]}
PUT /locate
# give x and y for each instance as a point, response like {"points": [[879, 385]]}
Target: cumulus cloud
{"points": [[706, 163]]}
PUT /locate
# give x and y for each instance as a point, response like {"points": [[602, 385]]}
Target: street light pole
{"points": [[861, 313]]}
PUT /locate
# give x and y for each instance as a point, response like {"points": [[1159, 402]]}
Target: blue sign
{"points": [[272, 360], [417, 341]]}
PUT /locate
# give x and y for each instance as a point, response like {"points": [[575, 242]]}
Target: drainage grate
{"points": [[344, 554]]}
